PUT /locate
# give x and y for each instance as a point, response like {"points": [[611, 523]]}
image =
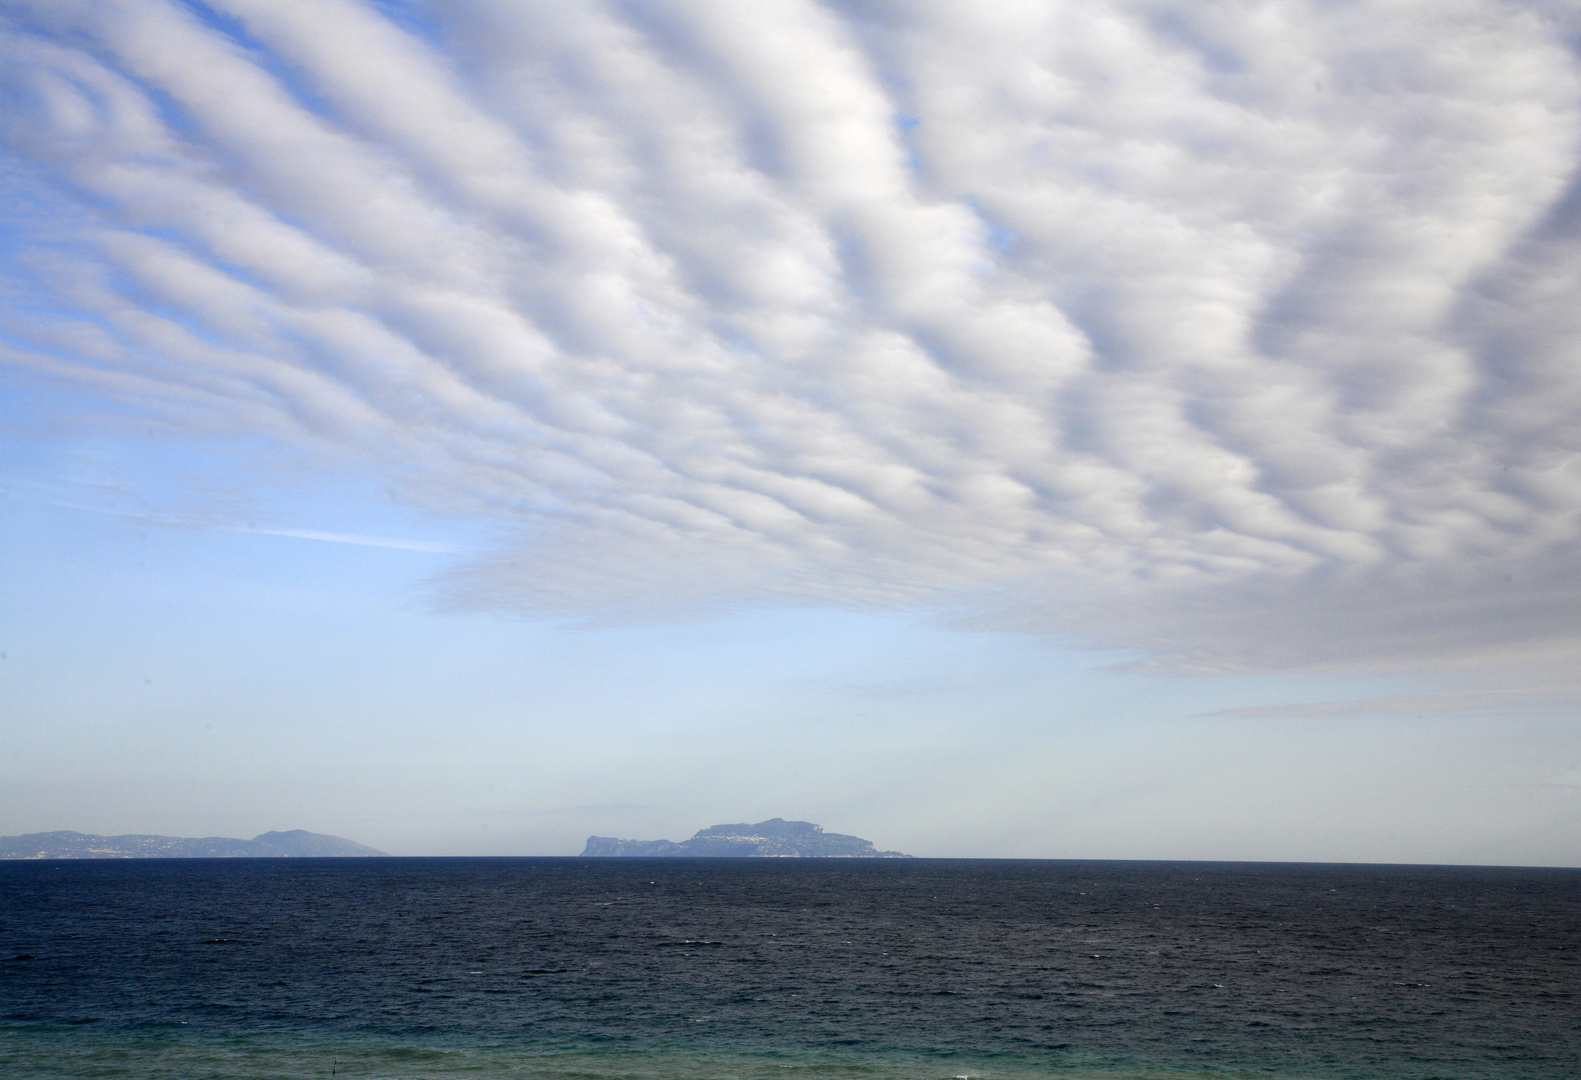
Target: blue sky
{"points": [[1045, 431]]}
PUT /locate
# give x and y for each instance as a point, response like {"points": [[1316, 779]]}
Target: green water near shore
{"points": [[61, 1052]]}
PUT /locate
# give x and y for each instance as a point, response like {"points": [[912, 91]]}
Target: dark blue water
{"points": [[924, 969]]}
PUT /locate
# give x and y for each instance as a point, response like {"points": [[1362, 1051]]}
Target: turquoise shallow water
{"points": [[32, 1053], [925, 970]]}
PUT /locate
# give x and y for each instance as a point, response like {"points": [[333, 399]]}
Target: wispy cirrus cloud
{"points": [[1243, 335], [70, 498], [1438, 704]]}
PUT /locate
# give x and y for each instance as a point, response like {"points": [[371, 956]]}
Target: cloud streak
{"points": [[209, 521], [1242, 336]]}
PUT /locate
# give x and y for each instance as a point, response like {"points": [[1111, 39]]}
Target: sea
{"points": [[786, 969]]}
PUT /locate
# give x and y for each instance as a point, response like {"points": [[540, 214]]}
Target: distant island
{"points": [[295, 844], [775, 838]]}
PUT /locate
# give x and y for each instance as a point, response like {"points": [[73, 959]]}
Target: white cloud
{"points": [[1244, 334]]}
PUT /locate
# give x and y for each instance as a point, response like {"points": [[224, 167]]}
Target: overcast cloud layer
{"points": [[1245, 334]]}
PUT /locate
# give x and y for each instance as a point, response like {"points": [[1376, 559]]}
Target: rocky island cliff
{"points": [[775, 838], [296, 843]]}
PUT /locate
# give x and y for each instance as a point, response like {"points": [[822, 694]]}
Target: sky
{"points": [[1058, 429]]}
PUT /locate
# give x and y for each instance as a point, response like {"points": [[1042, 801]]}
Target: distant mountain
{"points": [[775, 838], [296, 843]]}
